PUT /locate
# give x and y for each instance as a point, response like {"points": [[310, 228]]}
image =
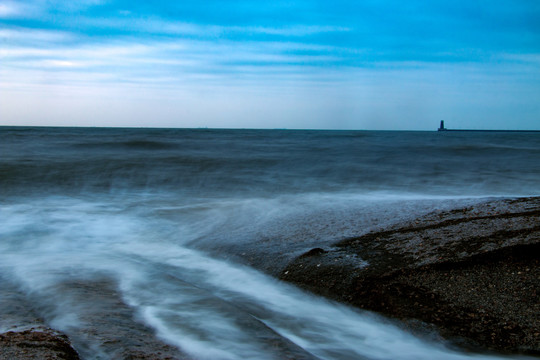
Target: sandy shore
{"points": [[471, 275]]}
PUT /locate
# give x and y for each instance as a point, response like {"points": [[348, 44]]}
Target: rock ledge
{"points": [[472, 273]]}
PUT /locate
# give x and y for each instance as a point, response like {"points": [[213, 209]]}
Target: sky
{"points": [[342, 64]]}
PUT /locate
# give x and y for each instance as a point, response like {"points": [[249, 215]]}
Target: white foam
{"points": [[207, 307], [324, 328]]}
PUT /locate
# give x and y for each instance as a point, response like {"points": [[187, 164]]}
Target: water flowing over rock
{"points": [[472, 272]]}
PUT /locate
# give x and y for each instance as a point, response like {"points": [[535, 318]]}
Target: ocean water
{"points": [[114, 235]]}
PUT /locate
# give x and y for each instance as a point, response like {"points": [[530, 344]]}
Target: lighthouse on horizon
{"points": [[442, 128]]}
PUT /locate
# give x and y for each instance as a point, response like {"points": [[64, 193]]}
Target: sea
{"points": [[115, 236]]}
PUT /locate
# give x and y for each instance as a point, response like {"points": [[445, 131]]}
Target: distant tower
{"points": [[442, 128]]}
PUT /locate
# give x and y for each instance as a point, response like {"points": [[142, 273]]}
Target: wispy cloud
{"points": [[10, 9], [34, 36], [155, 26], [387, 48], [168, 57], [171, 58]]}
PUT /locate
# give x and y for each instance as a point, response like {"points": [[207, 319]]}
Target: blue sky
{"points": [[279, 64]]}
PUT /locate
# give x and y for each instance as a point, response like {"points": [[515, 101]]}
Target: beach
{"points": [[268, 244], [468, 277]]}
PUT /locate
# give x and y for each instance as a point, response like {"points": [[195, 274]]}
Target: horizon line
{"points": [[444, 129]]}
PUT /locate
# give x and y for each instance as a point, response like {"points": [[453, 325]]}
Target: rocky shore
{"points": [[25, 335], [470, 275], [40, 343]]}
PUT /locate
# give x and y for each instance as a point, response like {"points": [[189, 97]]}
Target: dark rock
{"points": [[110, 327], [36, 344], [314, 252], [473, 273]]}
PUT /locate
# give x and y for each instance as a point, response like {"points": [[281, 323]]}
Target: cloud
{"points": [[150, 57], [16, 9], [126, 24], [8, 10], [373, 58], [36, 36]]}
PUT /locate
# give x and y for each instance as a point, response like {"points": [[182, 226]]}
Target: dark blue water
{"points": [[221, 163], [165, 215]]}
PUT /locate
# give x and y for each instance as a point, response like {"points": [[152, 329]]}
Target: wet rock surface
{"points": [[23, 334], [39, 343], [472, 273], [110, 330]]}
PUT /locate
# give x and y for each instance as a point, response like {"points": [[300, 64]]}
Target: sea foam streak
{"points": [[208, 307], [159, 219]]}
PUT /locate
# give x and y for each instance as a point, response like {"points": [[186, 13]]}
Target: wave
{"points": [[127, 145], [258, 163], [73, 259]]}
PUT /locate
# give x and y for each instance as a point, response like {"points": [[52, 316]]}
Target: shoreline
{"points": [[470, 274], [467, 277]]}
